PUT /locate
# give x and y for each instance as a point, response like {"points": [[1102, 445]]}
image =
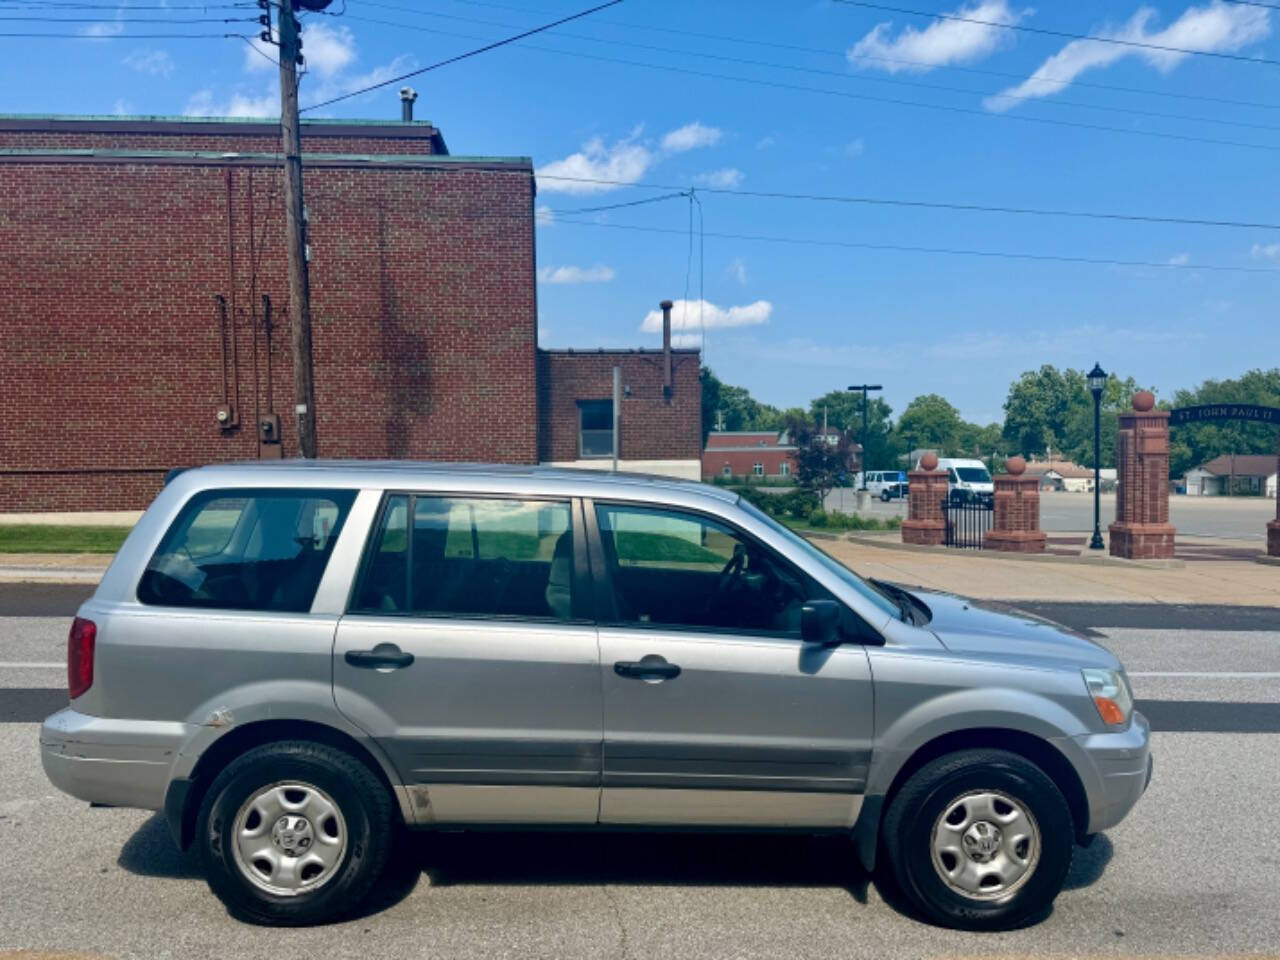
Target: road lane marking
{"points": [[1220, 675]]}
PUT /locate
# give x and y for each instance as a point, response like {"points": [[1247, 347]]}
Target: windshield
{"points": [[883, 603], [974, 474]]}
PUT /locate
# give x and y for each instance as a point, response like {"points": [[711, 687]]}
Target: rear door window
{"points": [[261, 550], [470, 556]]}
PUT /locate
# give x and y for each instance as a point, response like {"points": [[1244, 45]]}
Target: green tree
{"points": [[930, 421], [1052, 408], [1194, 443], [819, 463], [734, 407], [844, 411]]}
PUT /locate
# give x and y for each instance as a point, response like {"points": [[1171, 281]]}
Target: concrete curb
{"points": [[885, 544]]}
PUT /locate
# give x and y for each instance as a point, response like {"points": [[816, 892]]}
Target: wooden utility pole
{"points": [[296, 232]]}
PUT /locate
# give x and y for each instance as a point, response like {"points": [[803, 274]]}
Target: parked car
{"points": [[295, 661], [968, 481], [877, 480], [894, 491]]}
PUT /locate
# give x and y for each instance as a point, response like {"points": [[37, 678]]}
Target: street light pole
{"points": [[1097, 383], [862, 458]]}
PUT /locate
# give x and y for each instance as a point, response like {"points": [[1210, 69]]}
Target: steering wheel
{"points": [[733, 569]]}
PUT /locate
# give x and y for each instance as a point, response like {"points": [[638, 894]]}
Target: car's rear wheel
{"points": [[979, 839], [294, 833]]}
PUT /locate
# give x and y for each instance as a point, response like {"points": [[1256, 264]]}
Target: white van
{"points": [[968, 481], [880, 482]]}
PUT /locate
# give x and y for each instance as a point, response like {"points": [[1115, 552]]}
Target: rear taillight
{"points": [[80, 643]]}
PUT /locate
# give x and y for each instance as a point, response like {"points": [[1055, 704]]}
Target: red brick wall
{"points": [[741, 462], [423, 301], [650, 427]]}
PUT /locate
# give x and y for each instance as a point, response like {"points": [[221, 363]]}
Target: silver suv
{"points": [[296, 661]]}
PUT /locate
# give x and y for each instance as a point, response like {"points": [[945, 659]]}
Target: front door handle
{"points": [[385, 656], [651, 667]]}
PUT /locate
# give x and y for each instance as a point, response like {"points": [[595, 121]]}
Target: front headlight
{"points": [[1111, 695]]}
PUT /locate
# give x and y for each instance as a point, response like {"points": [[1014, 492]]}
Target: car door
{"points": [[468, 653], [715, 711]]}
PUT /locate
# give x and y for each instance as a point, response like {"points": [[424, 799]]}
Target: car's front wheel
{"points": [[979, 839], [294, 833]]}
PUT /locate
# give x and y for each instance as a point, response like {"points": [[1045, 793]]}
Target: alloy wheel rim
{"points": [[985, 845], [289, 838]]}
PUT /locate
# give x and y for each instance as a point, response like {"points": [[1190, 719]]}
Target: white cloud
{"points": [[690, 317], [260, 56], [765, 142], [156, 63], [854, 148], [122, 108], [543, 216], [941, 43], [102, 29], [202, 103], [567, 275], [724, 179], [737, 269], [327, 50], [340, 82], [624, 161], [690, 137], [1270, 251], [1180, 260], [1216, 27]]}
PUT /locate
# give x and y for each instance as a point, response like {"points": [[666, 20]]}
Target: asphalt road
{"points": [[1193, 871], [1231, 518]]}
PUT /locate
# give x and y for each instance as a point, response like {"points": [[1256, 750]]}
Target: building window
{"points": [[727, 470], [595, 419], [784, 469], [758, 469]]}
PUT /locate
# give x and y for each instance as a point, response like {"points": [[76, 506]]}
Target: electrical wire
{"points": [[841, 75], [126, 36], [463, 56], [176, 21], [1044, 31], [977, 71], [946, 251], [905, 202], [630, 203], [851, 95]]}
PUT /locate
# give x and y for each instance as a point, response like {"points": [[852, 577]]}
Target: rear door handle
{"points": [[652, 667], [385, 656]]}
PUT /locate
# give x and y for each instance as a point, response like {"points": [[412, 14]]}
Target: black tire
{"points": [[927, 794], [361, 798]]}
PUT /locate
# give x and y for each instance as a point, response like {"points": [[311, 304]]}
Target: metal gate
{"points": [[967, 522]]}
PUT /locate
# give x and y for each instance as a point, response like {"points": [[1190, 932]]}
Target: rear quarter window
{"points": [[258, 550]]}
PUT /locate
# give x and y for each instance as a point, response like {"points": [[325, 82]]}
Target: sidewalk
{"points": [[967, 572], [984, 575]]}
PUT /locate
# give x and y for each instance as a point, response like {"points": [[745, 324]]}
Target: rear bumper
{"points": [[118, 763], [1124, 765]]}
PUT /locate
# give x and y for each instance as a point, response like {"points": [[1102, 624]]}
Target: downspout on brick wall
{"points": [[666, 349]]}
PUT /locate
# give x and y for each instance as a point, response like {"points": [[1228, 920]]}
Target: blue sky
{"points": [[819, 306]]}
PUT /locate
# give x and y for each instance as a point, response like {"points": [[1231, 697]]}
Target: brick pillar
{"points": [[1142, 530], [1273, 528], [1015, 525], [926, 489]]}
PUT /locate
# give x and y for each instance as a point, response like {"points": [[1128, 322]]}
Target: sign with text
{"points": [[1224, 411]]}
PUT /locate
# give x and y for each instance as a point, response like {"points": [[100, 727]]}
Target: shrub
{"points": [[818, 518]]}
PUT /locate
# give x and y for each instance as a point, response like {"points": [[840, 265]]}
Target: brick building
{"points": [[144, 313], [747, 453]]}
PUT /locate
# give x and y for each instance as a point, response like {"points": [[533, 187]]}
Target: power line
{"points": [[464, 56], [977, 71], [1024, 28], [128, 36], [1071, 104], [176, 21], [866, 97], [924, 204], [630, 203], [947, 251]]}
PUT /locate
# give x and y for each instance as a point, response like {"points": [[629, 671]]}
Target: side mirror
{"points": [[820, 622]]}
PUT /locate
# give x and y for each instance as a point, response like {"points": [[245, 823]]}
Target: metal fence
{"points": [[967, 522]]}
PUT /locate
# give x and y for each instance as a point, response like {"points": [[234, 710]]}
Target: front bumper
{"points": [[117, 763], [1124, 766]]}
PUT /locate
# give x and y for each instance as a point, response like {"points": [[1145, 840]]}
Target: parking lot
{"points": [[1194, 871], [1233, 518]]}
